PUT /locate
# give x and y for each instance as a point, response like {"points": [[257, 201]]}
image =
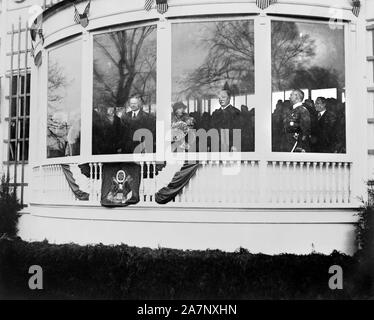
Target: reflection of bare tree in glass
{"points": [[293, 63], [125, 64], [317, 78], [230, 60], [56, 81], [290, 50], [56, 128]]}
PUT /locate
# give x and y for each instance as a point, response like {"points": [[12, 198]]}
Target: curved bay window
{"points": [[213, 96], [64, 100], [124, 91], [309, 57], [213, 86]]}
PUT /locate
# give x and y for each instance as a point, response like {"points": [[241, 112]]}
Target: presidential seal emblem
{"points": [[120, 191]]}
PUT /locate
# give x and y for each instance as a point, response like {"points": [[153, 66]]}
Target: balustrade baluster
{"points": [[309, 184], [148, 182], [328, 183], [58, 182], [321, 184], [347, 168], [301, 182], [99, 181], [344, 182], [141, 185], [282, 186], [333, 183], [315, 183], [294, 182], [287, 183], [339, 182], [255, 182], [272, 183], [196, 186]]}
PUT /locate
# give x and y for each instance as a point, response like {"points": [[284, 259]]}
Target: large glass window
{"points": [[64, 100], [19, 121], [308, 82], [213, 86], [124, 91]]}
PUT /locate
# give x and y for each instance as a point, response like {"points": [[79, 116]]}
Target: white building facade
{"points": [[263, 197]]}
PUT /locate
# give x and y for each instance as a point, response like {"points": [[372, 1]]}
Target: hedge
{"points": [[122, 272], [9, 208]]}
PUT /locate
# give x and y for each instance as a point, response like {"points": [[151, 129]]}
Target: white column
{"points": [[262, 41], [355, 36], [86, 95], [163, 112]]}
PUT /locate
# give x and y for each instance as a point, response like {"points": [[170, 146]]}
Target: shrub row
{"points": [[9, 207], [122, 272]]}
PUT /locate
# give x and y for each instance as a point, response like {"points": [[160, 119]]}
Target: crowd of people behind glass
{"points": [[298, 125], [114, 129], [223, 120], [326, 132]]}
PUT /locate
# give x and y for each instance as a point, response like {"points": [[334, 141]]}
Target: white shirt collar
{"points": [[223, 108], [322, 112], [136, 113], [297, 105]]}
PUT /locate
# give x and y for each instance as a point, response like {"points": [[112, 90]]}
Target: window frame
{"points": [[45, 67], [262, 63], [89, 101], [204, 156], [314, 156]]}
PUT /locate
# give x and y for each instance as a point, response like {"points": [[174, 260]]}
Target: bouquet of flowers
{"points": [[179, 131]]}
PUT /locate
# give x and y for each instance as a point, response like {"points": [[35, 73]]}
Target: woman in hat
{"points": [[181, 126]]}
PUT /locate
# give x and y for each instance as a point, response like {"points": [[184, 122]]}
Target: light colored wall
{"points": [[267, 231], [369, 16]]}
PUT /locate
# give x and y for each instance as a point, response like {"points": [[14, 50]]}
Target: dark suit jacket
{"points": [[325, 133], [228, 118], [107, 135], [130, 125]]}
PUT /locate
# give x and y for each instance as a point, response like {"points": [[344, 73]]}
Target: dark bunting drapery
{"points": [[180, 179], [120, 183], [81, 195]]}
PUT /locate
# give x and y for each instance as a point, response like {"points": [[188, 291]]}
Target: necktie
{"points": [[133, 115], [319, 115]]}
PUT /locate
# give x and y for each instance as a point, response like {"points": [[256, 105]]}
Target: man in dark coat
{"points": [[107, 131], [137, 119], [226, 117], [297, 125], [325, 129], [248, 128]]}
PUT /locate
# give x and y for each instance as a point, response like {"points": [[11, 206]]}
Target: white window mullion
{"points": [[163, 112], [43, 107], [263, 98], [86, 96], [263, 86]]}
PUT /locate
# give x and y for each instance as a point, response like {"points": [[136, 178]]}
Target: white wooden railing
{"points": [[215, 184], [293, 182]]}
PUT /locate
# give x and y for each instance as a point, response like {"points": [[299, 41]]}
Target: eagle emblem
{"points": [[120, 191]]}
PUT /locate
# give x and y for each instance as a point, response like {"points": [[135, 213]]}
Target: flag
{"points": [[162, 6], [79, 194], [263, 4], [176, 185], [148, 4], [356, 7], [82, 19], [120, 184]]}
